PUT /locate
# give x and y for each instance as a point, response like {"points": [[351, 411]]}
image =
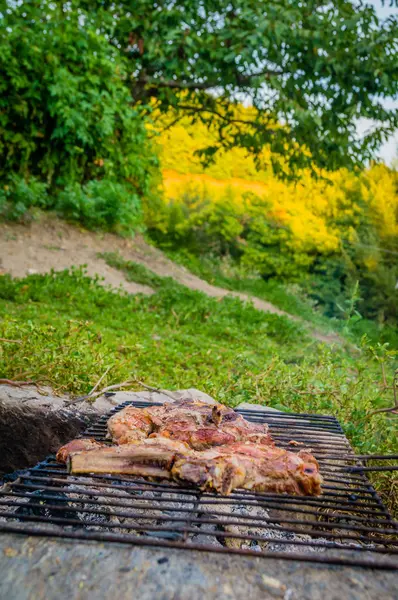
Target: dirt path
{"points": [[54, 244]]}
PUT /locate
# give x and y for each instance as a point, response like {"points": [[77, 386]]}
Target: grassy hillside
{"points": [[69, 330]]}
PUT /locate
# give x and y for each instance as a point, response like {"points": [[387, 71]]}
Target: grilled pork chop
{"points": [[129, 425], [198, 424], [221, 469], [250, 466]]}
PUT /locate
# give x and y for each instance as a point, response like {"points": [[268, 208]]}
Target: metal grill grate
{"points": [[348, 524]]}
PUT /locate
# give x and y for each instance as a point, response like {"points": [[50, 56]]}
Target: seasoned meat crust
{"points": [[198, 424], [129, 425]]}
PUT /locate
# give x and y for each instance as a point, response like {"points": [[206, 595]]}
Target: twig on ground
{"points": [[94, 395], [391, 409], [99, 381], [16, 383], [10, 341], [157, 390]]}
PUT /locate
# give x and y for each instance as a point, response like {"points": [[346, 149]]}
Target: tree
{"points": [[310, 68]]}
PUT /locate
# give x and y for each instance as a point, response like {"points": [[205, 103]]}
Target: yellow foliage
{"points": [[343, 230], [285, 204]]}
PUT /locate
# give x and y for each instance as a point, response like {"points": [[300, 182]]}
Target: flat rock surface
{"points": [[45, 569]]}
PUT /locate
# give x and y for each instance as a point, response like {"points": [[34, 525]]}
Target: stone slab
{"points": [[33, 568], [163, 396], [258, 407]]}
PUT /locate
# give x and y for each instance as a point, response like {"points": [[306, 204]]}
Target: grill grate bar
{"points": [[142, 541], [337, 491], [211, 501], [282, 519], [59, 469], [188, 529], [257, 495], [242, 520]]}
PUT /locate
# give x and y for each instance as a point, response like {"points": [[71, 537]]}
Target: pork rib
{"points": [[221, 469], [250, 466], [149, 458]]}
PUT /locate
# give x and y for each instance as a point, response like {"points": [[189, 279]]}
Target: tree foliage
{"points": [[311, 69]]}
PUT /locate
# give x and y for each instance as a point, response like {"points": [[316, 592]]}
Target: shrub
{"points": [[67, 119], [101, 205], [323, 236]]}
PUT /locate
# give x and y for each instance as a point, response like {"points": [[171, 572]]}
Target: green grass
{"points": [[292, 299], [70, 330], [225, 273], [135, 272]]}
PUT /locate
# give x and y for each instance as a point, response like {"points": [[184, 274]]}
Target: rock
{"points": [[271, 585], [54, 569], [33, 425], [259, 407]]}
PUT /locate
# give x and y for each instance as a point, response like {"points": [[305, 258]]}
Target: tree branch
{"points": [[198, 109], [16, 383], [179, 85], [169, 126], [195, 85]]}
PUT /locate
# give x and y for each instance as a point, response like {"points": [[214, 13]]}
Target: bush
{"points": [[101, 205], [324, 237], [67, 121]]}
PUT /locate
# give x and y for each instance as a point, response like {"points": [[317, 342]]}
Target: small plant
{"points": [[136, 272], [385, 357], [349, 310]]}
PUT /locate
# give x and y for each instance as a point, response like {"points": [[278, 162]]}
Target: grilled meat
{"points": [[129, 425], [221, 469], [208, 446], [198, 424], [148, 458], [77, 446], [250, 466]]}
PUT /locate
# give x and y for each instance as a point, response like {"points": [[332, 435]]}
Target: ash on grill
{"points": [[348, 518]]}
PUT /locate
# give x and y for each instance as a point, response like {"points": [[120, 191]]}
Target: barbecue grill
{"points": [[347, 525]]}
